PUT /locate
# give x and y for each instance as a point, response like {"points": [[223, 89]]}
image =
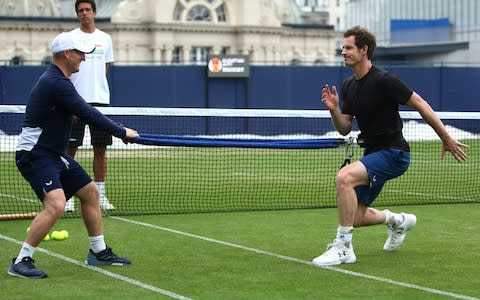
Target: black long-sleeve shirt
{"points": [[48, 118]]}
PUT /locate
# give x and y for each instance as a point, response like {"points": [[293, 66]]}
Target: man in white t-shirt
{"points": [[91, 83]]}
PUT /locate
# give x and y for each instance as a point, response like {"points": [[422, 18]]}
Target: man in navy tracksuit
{"points": [[41, 158]]}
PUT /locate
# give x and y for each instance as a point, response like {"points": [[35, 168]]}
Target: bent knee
{"points": [[54, 203], [89, 193], [352, 175], [344, 179]]}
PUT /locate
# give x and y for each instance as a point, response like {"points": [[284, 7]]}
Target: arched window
{"points": [[221, 14], [200, 11], [16, 61], [295, 62], [177, 13], [319, 62]]}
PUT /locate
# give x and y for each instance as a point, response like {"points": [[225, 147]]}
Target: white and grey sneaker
{"points": [[396, 234], [70, 205], [105, 204], [337, 253]]}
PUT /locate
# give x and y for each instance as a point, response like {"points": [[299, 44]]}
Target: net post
{"points": [[349, 152]]}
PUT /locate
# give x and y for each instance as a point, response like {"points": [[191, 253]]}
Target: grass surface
{"points": [[190, 179], [255, 255]]}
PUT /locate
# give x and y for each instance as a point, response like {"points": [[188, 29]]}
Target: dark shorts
{"points": [[381, 166], [98, 137], [46, 172]]}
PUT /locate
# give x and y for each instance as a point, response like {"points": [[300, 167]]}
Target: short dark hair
{"points": [[92, 3], [362, 38]]}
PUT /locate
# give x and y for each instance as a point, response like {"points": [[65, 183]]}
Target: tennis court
{"points": [[256, 255], [146, 179], [237, 223]]}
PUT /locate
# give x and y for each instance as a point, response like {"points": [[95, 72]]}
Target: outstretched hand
{"points": [[330, 97], [455, 148]]}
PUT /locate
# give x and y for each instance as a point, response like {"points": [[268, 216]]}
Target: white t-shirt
{"points": [[91, 81]]}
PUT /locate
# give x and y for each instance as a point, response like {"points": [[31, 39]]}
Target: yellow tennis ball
{"points": [[65, 234], [57, 235], [28, 228]]}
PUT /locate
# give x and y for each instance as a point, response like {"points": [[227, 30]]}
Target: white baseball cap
{"points": [[68, 41]]}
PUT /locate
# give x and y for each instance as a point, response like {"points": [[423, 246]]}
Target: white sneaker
{"points": [[70, 205], [105, 204], [337, 253], [396, 234]]}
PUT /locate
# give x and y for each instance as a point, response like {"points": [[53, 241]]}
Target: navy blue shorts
{"points": [[98, 137], [381, 166], [46, 171]]}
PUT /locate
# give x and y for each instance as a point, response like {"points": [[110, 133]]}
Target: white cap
{"points": [[68, 41]]}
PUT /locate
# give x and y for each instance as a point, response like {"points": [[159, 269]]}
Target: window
{"points": [[16, 61], [221, 16], [295, 62], [198, 11], [199, 55], [319, 62], [177, 13], [225, 50], [177, 55]]}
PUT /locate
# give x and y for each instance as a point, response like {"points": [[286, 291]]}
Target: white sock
{"points": [[97, 243], [345, 234], [26, 250], [101, 189]]}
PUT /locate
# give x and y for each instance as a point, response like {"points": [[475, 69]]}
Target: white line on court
{"points": [[293, 259], [432, 196], [103, 271], [17, 198]]}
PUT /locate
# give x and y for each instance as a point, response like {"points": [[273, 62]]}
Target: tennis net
{"points": [[211, 160]]}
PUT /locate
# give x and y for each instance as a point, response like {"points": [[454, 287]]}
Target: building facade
{"points": [[270, 32], [322, 11], [434, 31], [173, 31], [418, 31]]}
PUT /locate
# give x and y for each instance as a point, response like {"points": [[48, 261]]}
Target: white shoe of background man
{"points": [[104, 203], [70, 205]]}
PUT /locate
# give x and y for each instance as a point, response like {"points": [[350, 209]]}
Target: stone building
{"points": [[172, 31]]}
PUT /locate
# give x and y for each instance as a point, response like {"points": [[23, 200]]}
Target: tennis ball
{"points": [[28, 228], [65, 234], [58, 235]]}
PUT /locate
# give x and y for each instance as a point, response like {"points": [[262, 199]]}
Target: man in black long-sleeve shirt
{"points": [[41, 158]]}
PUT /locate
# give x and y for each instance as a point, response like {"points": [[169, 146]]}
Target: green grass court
{"points": [[255, 255], [257, 240], [160, 180]]}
